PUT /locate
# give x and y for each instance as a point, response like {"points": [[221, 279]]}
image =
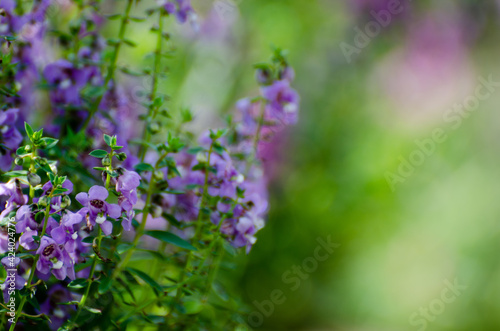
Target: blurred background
{"points": [[396, 157], [407, 225]]}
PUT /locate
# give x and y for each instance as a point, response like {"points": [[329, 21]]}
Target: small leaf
{"points": [[146, 278], [108, 140], [122, 248], [33, 302], [144, 167], [170, 238], [129, 42], [51, 142], [105, 285], [88, 240], [29, 130], [113, 16], [16, 173], [99, 153], [93, 310], [137, 19], [21, 151], [70, 303], [78, 283]]}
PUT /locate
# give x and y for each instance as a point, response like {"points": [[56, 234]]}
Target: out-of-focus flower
{"points": [[10, 137]]}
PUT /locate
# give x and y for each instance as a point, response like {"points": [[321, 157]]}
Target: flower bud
{"points": [[34, 179], [287, 74], [44, 201], [154, 127], [156, 211], [106, 161], [65, 201], [27, 148], [18, 161], [158, 174], [263, 76], [121, 156]]}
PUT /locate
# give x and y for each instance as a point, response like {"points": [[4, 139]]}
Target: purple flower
{"points": [[12, 189], [53, 258], [52, 306], [97, 208], [225, 179], [283, 101], [26, 240], [25, 217], [10, 137], [181, 8], [66, 80], [243, 230], [66, 234], [12, 280], [127, 183]]}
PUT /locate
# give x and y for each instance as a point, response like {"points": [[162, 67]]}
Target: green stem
{"points": [[96, 257], [214, 267], [152, 111], [112, 66], [32, 170], [91, 276], [199, 224], [259, 126], [33, 269], [140, 230]]}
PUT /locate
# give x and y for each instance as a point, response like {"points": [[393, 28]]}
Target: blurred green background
{"points": [[360, 118]]}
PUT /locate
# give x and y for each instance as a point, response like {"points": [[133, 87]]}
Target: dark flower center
{"points": [[97, 203], [47, 251]]}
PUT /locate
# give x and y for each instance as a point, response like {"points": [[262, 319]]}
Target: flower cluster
{"points": [[89, 204], [180, 8]]}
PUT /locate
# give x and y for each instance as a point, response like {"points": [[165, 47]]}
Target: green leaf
{"points": [[16, 173], [113, 16], [144, 167], [29, 130], [108, 140], [146, 278], [21, 151], [93, 310], [170, 238], [45, 167], [122, 248], [33, 302], [88, 240], [69, 303], [137, 19], [59, 191], [78, 283], [129, 42], [51, 142], [99, 153], [171, 219], [9, 38], [105, 285]]}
